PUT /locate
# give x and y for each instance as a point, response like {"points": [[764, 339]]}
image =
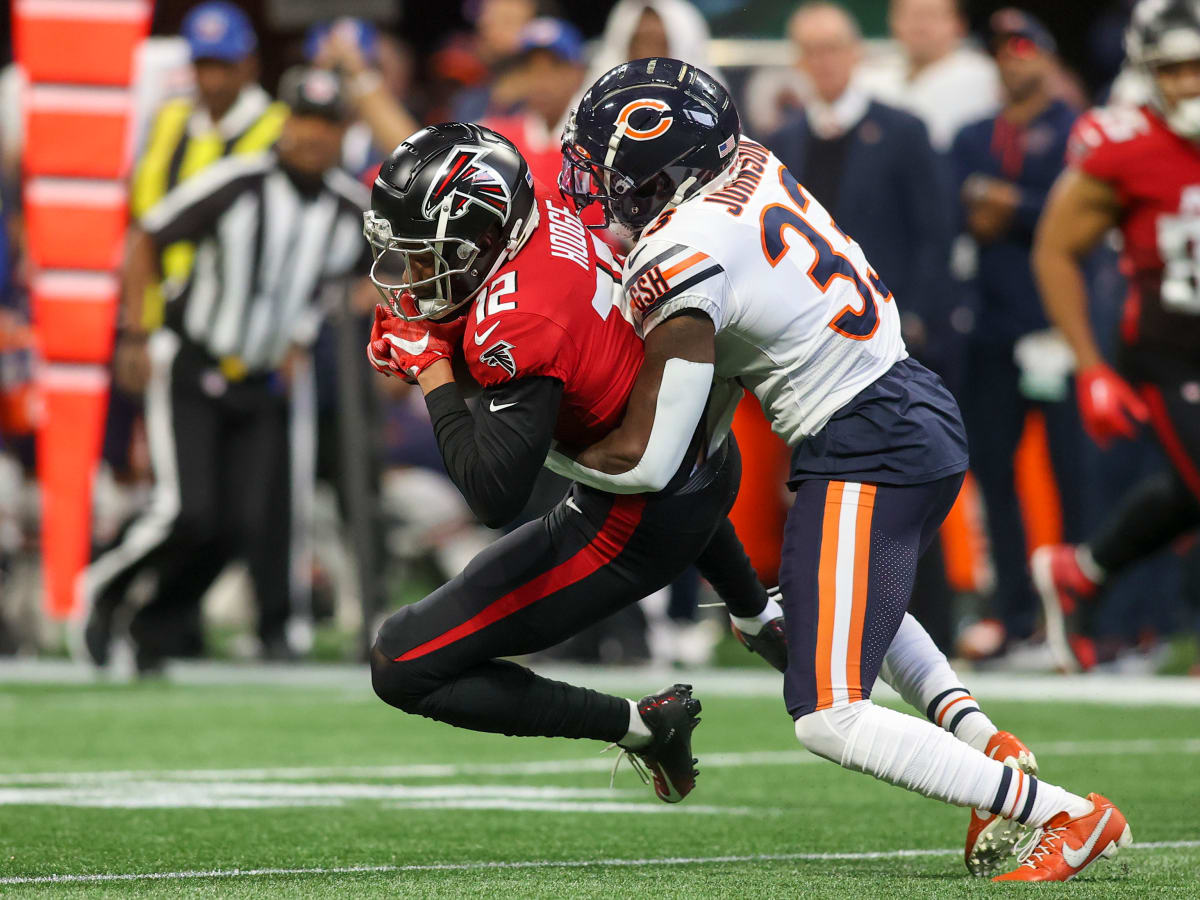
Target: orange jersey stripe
{"points": [[684, 264], [827, 593], [858, 611]]}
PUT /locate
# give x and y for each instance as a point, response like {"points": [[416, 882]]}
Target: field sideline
{"points": [[261, 782]]}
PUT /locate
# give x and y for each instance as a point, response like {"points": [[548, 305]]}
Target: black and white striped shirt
{"points": [[264, 252]]}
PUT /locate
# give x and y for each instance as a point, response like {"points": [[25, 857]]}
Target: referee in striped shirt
{"points": [[271, 232]]}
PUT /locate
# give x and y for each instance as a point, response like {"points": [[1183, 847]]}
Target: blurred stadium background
{"points": [[101, 109], [373, 523]]}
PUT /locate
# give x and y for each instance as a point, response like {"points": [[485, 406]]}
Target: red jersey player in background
{"points": [[472, 252], [1139, 169]]}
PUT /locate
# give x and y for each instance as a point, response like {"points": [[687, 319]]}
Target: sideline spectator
{"points": [[1004, 168], [871, 166], [350, 49], [219, 368], [496, 40], [936, 76], [550, 71], [773, 95], [640, 28]]}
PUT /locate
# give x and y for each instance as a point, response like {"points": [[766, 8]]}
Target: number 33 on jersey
{"points": [[801, 317]]}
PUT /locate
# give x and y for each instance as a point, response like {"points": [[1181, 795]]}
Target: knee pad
{"points": [[826, 732]]}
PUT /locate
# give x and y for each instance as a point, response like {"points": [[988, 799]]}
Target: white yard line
{"points": [[1137, 747], [749, 682], [523, 864]]}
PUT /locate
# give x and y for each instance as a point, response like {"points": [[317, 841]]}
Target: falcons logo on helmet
{"points": [[465, 180]]}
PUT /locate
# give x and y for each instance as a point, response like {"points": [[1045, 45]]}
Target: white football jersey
{"points": [[802, 319]]}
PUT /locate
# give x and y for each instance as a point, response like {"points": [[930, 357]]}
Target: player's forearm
{"points": [[1063, 289], [390, 123], [142, 271], [494, 458], [645, 455]]}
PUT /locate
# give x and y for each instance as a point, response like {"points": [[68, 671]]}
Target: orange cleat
{"points": [[991, 840], [1068, 846]]}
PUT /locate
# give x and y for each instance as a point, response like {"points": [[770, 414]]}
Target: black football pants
{"points": [[1165, 506], [591, 555], [221, 468]]}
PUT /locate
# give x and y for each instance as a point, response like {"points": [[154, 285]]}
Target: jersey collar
{"points": [[250, 104]]}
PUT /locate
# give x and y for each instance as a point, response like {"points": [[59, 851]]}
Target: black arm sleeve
{"points": [[494, 456]]}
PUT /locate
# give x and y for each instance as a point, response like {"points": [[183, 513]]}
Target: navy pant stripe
{"points": [[1028, 807], [997, 806], [959, 716]]}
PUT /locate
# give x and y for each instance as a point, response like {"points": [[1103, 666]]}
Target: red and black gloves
{"points": [[400, 347], [1108, 405]]}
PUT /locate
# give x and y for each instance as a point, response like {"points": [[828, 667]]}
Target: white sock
{"points": [[638, 735], [916, 755], [1088, 565], [920, 673], [754, 624]]}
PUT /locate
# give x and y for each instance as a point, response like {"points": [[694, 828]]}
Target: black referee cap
{"points": [[314, 92]]}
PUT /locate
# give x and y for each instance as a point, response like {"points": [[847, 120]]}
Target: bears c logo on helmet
{"points": [[645, 119], [465, 180]]}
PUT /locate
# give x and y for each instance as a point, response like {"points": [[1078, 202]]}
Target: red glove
{"points": [[1109, 406], [399, 347]]}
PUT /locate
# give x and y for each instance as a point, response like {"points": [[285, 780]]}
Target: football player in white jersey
{"points": [[738, 279]]}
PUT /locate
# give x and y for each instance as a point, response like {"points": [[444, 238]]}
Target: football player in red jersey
{"points": [[472, 252], [1137, 169]]}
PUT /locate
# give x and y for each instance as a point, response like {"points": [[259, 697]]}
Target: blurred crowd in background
{"points": [[931, 130]]}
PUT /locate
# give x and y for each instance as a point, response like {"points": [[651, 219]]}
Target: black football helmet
{"points": [[448, 208], [1162, 32], [648, 134]]}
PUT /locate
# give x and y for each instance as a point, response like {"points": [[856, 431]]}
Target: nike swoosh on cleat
{"points": [[415, 348], [1077, 857], [496, 407], [482, 336]]}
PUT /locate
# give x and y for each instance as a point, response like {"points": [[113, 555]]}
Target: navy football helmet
{"points": [[647, 135], [450, 206]]}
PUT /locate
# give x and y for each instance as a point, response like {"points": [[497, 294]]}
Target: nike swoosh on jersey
{"points": [[482, 336], [416, 348], [496, 407], [1076, 857], [571, 503]]}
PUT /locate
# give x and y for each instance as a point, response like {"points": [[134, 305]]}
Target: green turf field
{"points": [[360, 800]]}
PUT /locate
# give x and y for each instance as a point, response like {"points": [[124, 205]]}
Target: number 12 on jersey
{"points": [[828, 265]]}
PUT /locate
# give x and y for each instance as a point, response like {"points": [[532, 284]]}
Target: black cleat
{"points": [[149, 663], [770, 643], [671, 715], [98, 633]]}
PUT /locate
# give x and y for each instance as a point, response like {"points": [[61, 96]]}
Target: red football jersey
{"points": [[1156, 176], [557, 309]]}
